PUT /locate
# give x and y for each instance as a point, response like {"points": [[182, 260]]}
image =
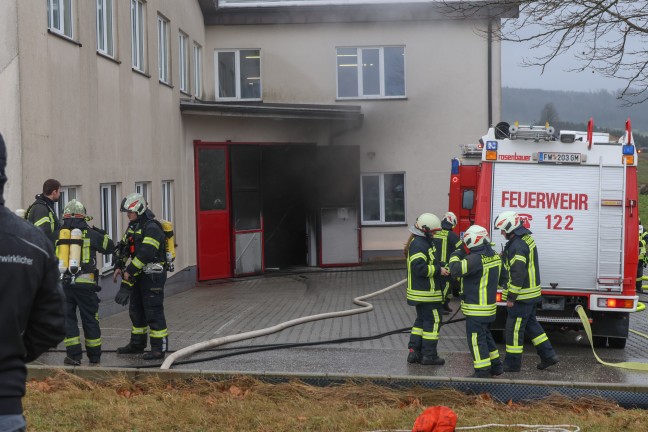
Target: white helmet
{"points": [[134, 203], [450, 218], [475, 236], [74, 209], [507, 221], [428, 223], [641, 229]]}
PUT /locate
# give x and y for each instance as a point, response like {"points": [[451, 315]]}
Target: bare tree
{"points": [[549, 114], [605, 36]]}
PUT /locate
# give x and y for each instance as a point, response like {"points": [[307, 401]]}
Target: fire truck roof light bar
{"points": [[536, 133]]}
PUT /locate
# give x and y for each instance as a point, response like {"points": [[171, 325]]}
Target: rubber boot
{"points": [[130, 349], [414, 356]]}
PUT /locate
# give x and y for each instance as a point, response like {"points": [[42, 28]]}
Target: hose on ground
{"points": [[365, 307]]}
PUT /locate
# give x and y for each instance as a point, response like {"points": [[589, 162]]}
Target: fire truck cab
{"points": [[577, 193]]}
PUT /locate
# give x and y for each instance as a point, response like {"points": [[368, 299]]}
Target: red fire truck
{"points": [[578, 193]]}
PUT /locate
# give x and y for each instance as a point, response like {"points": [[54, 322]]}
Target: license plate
{"points": [[553, 303], [566, 158]]}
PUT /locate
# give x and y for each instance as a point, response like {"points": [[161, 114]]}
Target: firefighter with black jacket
{"points": [[522, 294], [41, 213], [424, 290], [32, 304], [446, 242], [481, 272], [80, 283], [143, 278]]}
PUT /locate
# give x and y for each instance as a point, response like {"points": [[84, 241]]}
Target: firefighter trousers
{"points": [[425, 331], [146, 312], [84, 297], [521, 320], [481, 343]]}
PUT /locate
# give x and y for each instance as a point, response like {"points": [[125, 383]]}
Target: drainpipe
{"points": [[490, 73]]}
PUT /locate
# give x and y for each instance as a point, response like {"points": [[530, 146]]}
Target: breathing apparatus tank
{"points": [[75, 251], [63, 250], [167, 227]]}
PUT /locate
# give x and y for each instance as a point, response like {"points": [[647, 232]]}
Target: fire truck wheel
{"points": [[600, 341], [618, 343]]}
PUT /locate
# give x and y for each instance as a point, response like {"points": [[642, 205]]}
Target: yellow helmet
{"points": [[74, 208], [428, 223]]}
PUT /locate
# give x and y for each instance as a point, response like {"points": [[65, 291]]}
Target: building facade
{"points": [[272, 136]]}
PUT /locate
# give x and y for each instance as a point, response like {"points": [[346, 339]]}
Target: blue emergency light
{"points": [[455, 166], [628, 149]]}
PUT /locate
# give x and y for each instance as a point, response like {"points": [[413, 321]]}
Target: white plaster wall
{"points": [[88, 120], [10, 97], [446, 104]]}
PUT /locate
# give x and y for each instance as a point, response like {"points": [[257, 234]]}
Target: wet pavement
{"points": [[213, 310]]}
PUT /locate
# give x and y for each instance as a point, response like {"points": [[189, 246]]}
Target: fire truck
{"points": [[578, 194]]}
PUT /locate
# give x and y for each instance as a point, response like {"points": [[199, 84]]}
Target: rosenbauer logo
{"points": [[514, 157]]}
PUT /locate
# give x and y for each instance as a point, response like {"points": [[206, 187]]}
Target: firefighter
{"points": [[143, 278], [641, 264], [41, 213], [424, 290], [81, 287], [446, 242], [481, 272], [522, 294]]}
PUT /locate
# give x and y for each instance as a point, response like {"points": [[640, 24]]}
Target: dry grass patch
{"points": [[69, 403]]}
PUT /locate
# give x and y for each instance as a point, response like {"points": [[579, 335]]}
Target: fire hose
{"points": [[366, 307]]}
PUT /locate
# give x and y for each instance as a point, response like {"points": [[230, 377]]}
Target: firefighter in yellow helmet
{"points": [[522, 294], [80, 283], [481, 272], [446, 242], [424, 290], [142, 265]]}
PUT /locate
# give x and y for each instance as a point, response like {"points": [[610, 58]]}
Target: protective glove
{"points": [[123, 295]]}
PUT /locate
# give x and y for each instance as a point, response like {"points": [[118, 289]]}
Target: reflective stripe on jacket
{"points": [[422, 269], [521, 260]]}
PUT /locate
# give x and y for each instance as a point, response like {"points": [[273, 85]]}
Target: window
{"points": [[183, 62], [143, 189], [68, 193], [238, 74], [163, 49], [109, 212], [197, 72], [137, 34], [105, 27], [59, 17], [381, 75], [383, 198], [167, 200]]}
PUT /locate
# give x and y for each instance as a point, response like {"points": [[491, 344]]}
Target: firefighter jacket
{"points": [[520, 257], [481, 272], [146, 243], [423, 272], [32, 303], [643, 245], [41, 214], [446, 242], [94, 240]]}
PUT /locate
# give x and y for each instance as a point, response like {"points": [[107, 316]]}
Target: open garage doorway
{"points": [[283, 206]]}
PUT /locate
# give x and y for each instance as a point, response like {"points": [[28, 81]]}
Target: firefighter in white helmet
{"points": [[141, 263], [481, 272], [424, 290], [81, 287], [522, 294], [446, 242]]}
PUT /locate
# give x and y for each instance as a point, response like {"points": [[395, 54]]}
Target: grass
{"points": [[69, 403]]}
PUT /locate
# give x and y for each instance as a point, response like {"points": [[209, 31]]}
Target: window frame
{"points": [[66, 197], [106, 22], [183, 62], [109, 218], [164, 49], [144, 188], [138, 35], [197, 70], [167, 200], [237, 73], [359, 73], [65, 14], [381, 199]]}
